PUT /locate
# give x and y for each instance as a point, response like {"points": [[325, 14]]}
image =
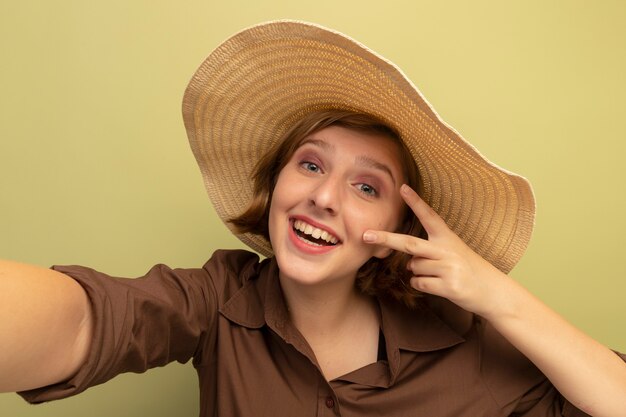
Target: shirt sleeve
{"points": [[138, 324], [516, 384]]}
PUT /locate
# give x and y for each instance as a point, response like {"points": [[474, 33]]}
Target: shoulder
{"points": [[230, 270], [459, 320], [507, 373], [499, 358], [233, 263]]}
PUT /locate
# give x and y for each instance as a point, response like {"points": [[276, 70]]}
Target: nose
{"points": [[326, 196]]}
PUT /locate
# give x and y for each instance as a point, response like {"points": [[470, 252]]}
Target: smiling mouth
{"points": [[313, 235]]}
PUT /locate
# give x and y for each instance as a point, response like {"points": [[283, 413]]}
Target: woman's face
{"points": [[338, 183]]}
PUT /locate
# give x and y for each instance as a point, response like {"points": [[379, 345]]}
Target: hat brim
{"points": [[258, 83]]}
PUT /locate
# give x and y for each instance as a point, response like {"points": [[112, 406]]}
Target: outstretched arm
{"points": [[587, 373], [45, 326]]}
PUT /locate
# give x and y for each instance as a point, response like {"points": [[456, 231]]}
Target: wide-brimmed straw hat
{"points": [[258, 83]]}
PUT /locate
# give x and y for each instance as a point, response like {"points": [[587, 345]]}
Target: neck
{"points": [[325, 309]]}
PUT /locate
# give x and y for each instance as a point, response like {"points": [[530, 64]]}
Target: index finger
{"points": [[403, 243]]}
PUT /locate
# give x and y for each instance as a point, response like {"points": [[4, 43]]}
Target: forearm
{"points": [[588, 374], [45, 326]]}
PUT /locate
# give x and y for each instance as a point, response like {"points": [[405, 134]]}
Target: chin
{"points": [[299, 271], [311, 272]]}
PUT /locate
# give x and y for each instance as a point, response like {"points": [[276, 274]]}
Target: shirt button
{"points": [[330, 403]]}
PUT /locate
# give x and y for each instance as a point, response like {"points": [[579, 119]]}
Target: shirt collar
{"points": [[417, 330], [260, 302]]}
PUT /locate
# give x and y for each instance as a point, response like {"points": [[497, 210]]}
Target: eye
{"points": [[367, 190], [310, 166]]}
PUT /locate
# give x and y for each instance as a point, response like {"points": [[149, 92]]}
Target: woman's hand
{"points": [[444, 265], [588, 374]]}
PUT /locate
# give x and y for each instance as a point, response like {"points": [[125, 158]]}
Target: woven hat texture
{"points": [[258, 83]]}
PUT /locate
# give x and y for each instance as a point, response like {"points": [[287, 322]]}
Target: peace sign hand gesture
{"points": [[444, 265], [584, 371]]}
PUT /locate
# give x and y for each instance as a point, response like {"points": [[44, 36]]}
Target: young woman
{"points": [[374, 299]]}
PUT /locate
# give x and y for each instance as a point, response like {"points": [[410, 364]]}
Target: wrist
{"points": [[506, 299]]}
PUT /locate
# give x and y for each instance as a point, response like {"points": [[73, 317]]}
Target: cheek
{"points": [[283, 198], [278, 193], [388, 219], [400, 210], [275, 205], [372, 220]]}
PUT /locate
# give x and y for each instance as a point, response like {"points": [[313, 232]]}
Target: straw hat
{"points": [[262, 80]]}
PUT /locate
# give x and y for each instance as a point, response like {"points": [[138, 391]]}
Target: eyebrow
{"points": [[362, 160], [372, 163]]}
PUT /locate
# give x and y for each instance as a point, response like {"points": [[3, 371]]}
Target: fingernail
{"points": [[369, 236], [405, 189]]}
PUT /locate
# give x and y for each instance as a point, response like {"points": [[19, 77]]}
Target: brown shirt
{"points": [[230, 317]]}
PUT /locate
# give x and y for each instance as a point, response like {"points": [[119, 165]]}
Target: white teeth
{"points": [[315, 232]]}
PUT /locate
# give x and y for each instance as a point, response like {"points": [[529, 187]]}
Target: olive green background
{"points": [[95, 168]]}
